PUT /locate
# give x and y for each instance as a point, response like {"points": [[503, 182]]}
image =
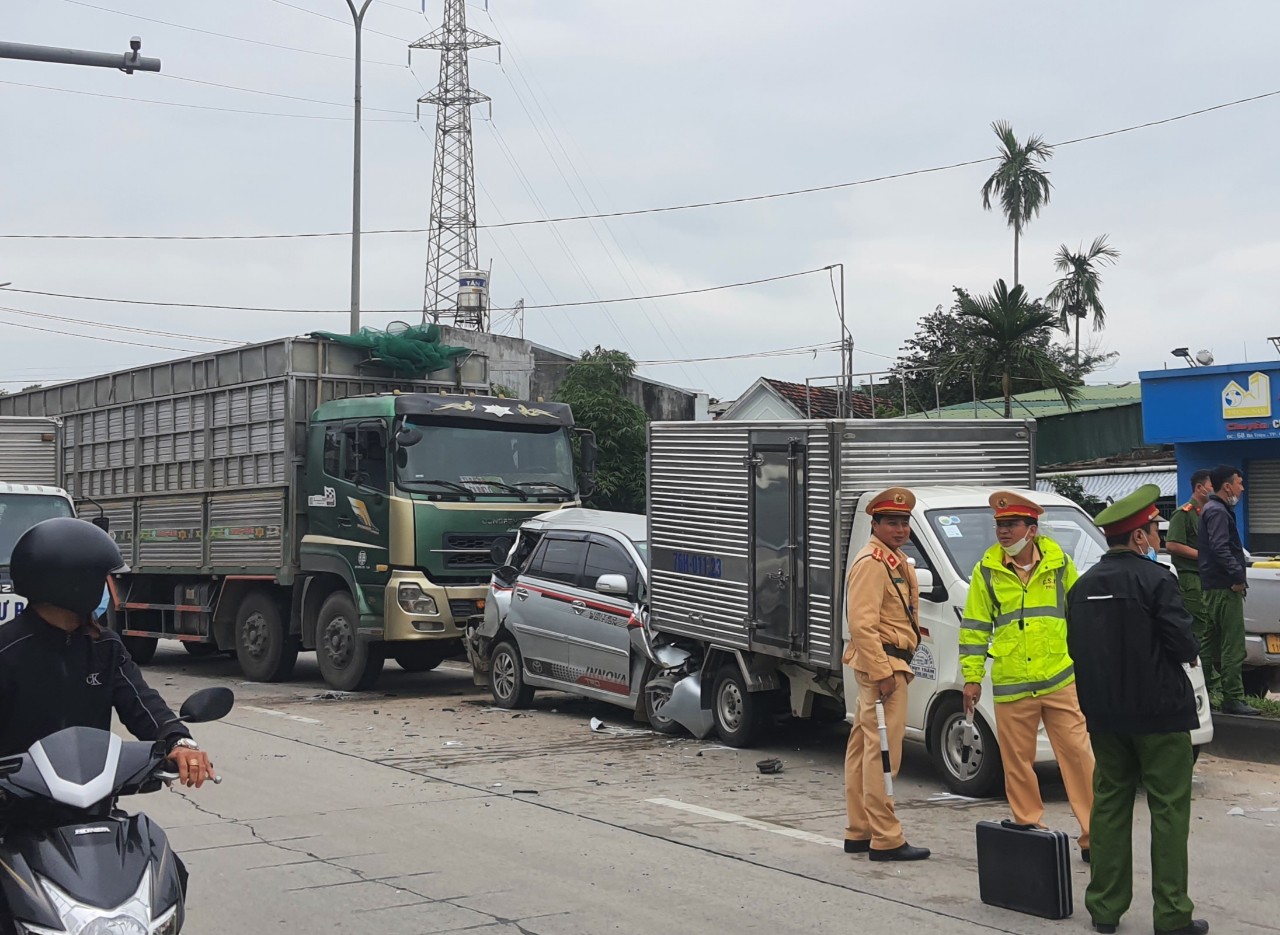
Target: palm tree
{"points": [[1019, 182], [1076, 294], [1008, 336]]}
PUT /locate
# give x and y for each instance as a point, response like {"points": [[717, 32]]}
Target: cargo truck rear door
{"points": [[777, 523]]}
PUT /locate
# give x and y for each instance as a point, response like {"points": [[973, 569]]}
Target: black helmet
{"points": [[64, 562]]}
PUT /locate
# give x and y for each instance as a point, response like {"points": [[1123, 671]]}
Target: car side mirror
{"points": [[613, 584], [506, 574], [208, 704], [924, 577], [102, 522]]}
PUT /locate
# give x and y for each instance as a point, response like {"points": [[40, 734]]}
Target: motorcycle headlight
{"points": [[132, 917]]}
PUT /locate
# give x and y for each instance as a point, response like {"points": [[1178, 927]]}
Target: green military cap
{"points": [[1130, 512]]}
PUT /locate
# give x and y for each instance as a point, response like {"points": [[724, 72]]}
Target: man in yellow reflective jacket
{"points": [[1016, 614]]}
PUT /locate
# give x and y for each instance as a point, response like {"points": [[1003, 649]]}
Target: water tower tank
{"points": [[473, 289]]}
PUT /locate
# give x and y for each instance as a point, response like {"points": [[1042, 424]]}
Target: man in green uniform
{"points": [[1181, 542], [1130, 635]]}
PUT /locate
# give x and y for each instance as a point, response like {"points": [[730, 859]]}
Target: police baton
{"points": [[884, 749]]}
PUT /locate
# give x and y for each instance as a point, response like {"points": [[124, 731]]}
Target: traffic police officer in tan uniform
{"points": [[881, 604]]}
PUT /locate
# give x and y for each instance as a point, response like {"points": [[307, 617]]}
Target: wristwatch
{"points": [[186, 742]]}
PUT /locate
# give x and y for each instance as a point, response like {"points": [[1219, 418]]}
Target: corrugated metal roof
{"points": [[1043, 403], [1111, 487]]}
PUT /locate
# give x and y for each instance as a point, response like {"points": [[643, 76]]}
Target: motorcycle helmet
{"points": [[64, 562]]}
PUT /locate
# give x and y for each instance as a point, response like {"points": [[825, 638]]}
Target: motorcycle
{"points": [[71, 861]]}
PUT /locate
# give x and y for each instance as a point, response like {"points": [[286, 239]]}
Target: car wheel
{"points": [[141, 648], [738, 714], [347, 662], [506, 677], [981, 775], [266, 653], [1256, 681], [653, 700]]}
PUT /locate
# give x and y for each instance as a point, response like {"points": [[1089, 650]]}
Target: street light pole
{"points": [[129, 62], [358, 20]]}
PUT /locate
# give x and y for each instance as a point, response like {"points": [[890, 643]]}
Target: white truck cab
{"points": [[951, 528], [21, 507]]}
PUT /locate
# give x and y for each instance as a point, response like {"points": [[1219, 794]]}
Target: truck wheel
{"points": [[265, 651], [981, 777], [417, 657], [653, 699], [506, 677], [347, 662], [738, 713], [141, 648]]}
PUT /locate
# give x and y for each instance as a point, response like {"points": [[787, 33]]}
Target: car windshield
{"points": [[19, 512], [967, 533], [487, 458]]}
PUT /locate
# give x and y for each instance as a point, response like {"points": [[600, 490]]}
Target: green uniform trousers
{"points": [[1223, 646], [1193, 600], [1162, 763]]}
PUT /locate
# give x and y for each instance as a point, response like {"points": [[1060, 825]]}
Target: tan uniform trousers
{"points": [[1017, 723], [871, 814]]}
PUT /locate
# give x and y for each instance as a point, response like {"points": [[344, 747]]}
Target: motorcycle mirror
{"points": [[208, 704]]}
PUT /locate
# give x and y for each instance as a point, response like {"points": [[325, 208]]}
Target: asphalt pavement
{"points": [[419, 808]]}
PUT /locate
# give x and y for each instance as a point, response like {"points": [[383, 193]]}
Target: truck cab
{"points": [[951, 528], [21, 507]]}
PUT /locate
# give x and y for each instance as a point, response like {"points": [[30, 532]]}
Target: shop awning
{"points": [[1110, 487]]}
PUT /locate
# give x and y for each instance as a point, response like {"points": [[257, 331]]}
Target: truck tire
{"points": [[506, 677], [944, 747], [739, 714], [141, 648], [417, 657], [347, 662], [265, 651]]}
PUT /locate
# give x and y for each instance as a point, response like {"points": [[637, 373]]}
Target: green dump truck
{"points": [[296, 495]]}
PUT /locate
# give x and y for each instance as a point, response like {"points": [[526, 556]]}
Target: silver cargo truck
{"points": [[751, 528]]}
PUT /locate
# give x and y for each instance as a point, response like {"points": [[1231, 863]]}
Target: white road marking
{"points": [[731, 818], [291, 717]]}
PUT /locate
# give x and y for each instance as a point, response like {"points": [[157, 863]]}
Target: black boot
{"points": [[1194, 927], [905, 852], [856, 847], [1240, 709]]}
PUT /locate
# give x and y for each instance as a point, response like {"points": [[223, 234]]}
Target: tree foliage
{"points": [[1069, 486], [1007, 335], [1019, 182], [1078, 293], [595, 387]]}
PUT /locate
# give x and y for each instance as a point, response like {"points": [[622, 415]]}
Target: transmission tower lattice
{"points": [[452, 244]]}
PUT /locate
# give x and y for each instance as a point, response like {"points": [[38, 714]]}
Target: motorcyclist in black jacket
{"points": [[59, 669]]}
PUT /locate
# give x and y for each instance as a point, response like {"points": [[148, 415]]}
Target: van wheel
{"points": [[141, 648], [347, 662], [738, 714], [981, 775], [653, 699], [506, 677], [265, 651]]}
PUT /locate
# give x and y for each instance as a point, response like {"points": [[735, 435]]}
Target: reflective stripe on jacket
{"points": [[1022, 628]]}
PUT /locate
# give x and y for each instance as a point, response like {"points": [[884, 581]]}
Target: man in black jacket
{"points": [[1130, 636], [1224, 580]]}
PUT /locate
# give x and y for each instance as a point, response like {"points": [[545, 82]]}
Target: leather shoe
{"points": [[1106, 928], [905, 852], [1240, 709], [1194, 927], [1084, 854], [856, 847]]}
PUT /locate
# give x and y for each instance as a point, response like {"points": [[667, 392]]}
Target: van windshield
{"points": [[19, 512], [968, 532]]}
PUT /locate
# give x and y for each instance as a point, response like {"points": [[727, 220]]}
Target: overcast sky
{"points": [[634, 104]]}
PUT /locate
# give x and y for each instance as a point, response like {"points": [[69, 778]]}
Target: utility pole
{"points": [[451, 246], [846, 350], [357, 18], [127, 62]]}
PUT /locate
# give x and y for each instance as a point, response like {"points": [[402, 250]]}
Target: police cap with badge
{"points": [[1009, 505], [1130, 512], [896, 501]]}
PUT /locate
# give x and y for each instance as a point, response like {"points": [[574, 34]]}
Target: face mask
{"points": [[1231, 501], [1013, 551], [102, 607], [1151, 554]]}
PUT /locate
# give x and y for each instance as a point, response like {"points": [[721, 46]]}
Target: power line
{"points": [[223, 35], [781, 352], [342, 22], [288, 97], [403, 311], [637, 211], [119, 327], [93, 337], [226, 110]]}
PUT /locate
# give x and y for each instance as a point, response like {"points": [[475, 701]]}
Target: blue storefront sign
{"points": [[1227, 414]]}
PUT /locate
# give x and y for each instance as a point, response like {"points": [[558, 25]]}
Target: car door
{"points": [[939, 636], [542, 614], [599, 644]]}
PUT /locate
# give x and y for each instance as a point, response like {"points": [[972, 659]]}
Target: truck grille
{"points": [[476, 550]]}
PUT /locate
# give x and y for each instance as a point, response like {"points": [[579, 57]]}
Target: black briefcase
{"points": [[1024, 868]]}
